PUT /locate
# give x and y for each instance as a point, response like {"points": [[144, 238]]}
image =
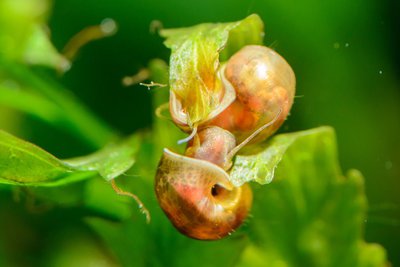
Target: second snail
{"points": [[194, 189]]}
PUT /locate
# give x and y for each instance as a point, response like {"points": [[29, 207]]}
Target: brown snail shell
{"points": [[198, 198], [264, 83]]}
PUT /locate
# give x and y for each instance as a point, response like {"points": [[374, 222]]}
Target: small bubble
{"points": [[346, 44], [380, 72], [336, 45], [108, 26]]}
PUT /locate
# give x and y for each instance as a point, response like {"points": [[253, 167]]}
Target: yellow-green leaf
{"points": [[195, 58], [24, 36]]}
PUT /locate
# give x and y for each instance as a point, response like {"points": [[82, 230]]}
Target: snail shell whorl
{"points": [[198, 198], [264, 83]]}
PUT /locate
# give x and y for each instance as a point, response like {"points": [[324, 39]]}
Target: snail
{"points": [[194, 189], [256, 81], [264, 82]]}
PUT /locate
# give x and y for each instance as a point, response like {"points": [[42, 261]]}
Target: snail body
{"points": [[194, 189]]}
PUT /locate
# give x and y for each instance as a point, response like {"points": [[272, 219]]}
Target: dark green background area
{"points": [[344, 53]]}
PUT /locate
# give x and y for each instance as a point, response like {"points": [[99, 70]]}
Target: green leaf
{"points": [[260, 167], [22, 163], [310, 215], [195, 59], [111, 161], [25, 38], [40, 51]]}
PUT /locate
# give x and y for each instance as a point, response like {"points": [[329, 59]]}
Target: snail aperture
{"points": [[194, 189]]}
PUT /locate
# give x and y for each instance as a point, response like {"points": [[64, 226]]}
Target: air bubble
{"points": [[108, 26]]}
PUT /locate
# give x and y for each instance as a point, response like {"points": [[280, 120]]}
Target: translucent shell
{"points": [[264, 83], [198, 198]]}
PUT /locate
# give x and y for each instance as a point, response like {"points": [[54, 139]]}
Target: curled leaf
{"points": [[195, 59]]}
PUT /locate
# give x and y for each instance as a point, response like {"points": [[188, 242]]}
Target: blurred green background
{"points": [[347, 63]]}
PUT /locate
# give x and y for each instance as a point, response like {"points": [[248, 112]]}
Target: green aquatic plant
{"points": [[305, 211]]}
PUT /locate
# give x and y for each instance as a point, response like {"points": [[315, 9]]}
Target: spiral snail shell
{"points": [[198, 198], [194, 189], [264, 83]]}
